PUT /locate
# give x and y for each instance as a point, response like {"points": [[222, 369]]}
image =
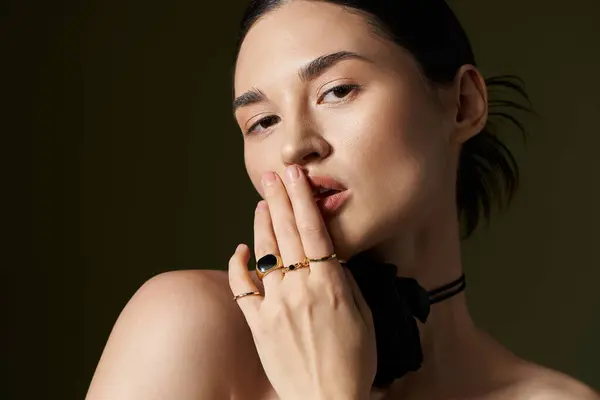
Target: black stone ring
{"points": [[302, 264], [267, 264]]}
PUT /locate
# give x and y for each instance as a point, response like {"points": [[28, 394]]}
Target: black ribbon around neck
{"points": [[396, 303]]}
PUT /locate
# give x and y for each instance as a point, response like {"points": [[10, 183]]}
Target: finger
{"points": [[359, 300], [284, 223], [265, 242], [241, 282], [312, 230]]}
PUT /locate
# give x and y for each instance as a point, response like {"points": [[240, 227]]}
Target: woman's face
{"points": [[386, 141]]}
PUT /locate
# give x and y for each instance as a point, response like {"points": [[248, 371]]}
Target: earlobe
{"points": [[472, 105]]}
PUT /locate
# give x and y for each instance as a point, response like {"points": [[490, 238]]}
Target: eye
{"points": [[260, 122], [341, 90]]}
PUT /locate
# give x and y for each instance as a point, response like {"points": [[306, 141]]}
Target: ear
{"points": [[471, 99]]}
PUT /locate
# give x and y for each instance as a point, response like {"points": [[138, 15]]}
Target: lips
{"points": [[324, 186], [321, 195], [331, 205]]}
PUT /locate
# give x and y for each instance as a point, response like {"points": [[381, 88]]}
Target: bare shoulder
{"points": [[538, 382], [180, 336]]}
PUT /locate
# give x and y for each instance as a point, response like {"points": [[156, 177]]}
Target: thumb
{"points": [[241, 282]]}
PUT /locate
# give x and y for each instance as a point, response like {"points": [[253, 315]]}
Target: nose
{"points": [[303, 144]]}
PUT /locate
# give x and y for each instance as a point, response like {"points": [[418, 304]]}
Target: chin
{"points": [[353, 231], [351, 236]]}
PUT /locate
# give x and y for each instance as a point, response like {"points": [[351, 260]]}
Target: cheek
{"points": [[258, 162], [402, 152], [392, 143], [253, 168]]}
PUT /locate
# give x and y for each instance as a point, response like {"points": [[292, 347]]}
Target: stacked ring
{"points": [[271, 262], [237, 296], [268, 264], [302, 264], [329, 257]]}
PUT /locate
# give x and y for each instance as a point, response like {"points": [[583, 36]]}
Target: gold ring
{"points": [[329, 257], [268, 264], [237, 296], [302, 264]]}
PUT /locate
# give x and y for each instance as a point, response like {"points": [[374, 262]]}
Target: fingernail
{"points": [[262, 205], [269, 178], [292, 173]]}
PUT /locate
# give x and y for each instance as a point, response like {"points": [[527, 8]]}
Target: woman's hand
{"points": [[312, 328]]}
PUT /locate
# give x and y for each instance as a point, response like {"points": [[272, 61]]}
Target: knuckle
{"points": [[263, 251], [310, 228], [288, 229], [335, 299], [335, 296]]}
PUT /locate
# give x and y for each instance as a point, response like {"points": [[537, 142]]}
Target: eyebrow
{"points": [[307, 73]]}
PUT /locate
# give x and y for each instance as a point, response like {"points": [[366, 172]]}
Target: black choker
{"points": [[395, 302]]}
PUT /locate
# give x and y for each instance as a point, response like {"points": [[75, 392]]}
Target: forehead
{"points": [[297, 32]]}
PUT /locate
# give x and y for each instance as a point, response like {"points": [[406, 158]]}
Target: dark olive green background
{"points": [[122, 161]]}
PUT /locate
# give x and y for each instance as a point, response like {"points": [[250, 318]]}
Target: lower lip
{"points": [[331, 204]]}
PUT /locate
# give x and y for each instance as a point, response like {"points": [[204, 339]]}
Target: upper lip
{"points": [[324, 182]]}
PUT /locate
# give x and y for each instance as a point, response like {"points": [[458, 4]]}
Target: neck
{"points": [[430, 254], [432, 257]]}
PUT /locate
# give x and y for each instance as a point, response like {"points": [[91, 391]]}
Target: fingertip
{"points": [[238, 263], [238, 255], [242, 249], [245, 251]]}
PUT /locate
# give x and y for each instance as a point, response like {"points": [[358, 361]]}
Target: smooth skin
{"points": [[393, 141]]}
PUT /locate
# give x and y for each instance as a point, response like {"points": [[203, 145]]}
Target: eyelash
{"points": [[353, 88]]}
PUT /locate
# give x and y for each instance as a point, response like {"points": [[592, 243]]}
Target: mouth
{"points": [[329, 194], [321, 193], [324, 186], [332, 204]]}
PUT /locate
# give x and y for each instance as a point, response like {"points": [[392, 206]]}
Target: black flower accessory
{"points": [[396, 303]]}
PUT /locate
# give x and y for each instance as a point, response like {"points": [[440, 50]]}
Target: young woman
{"points": [[366, 131]]}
